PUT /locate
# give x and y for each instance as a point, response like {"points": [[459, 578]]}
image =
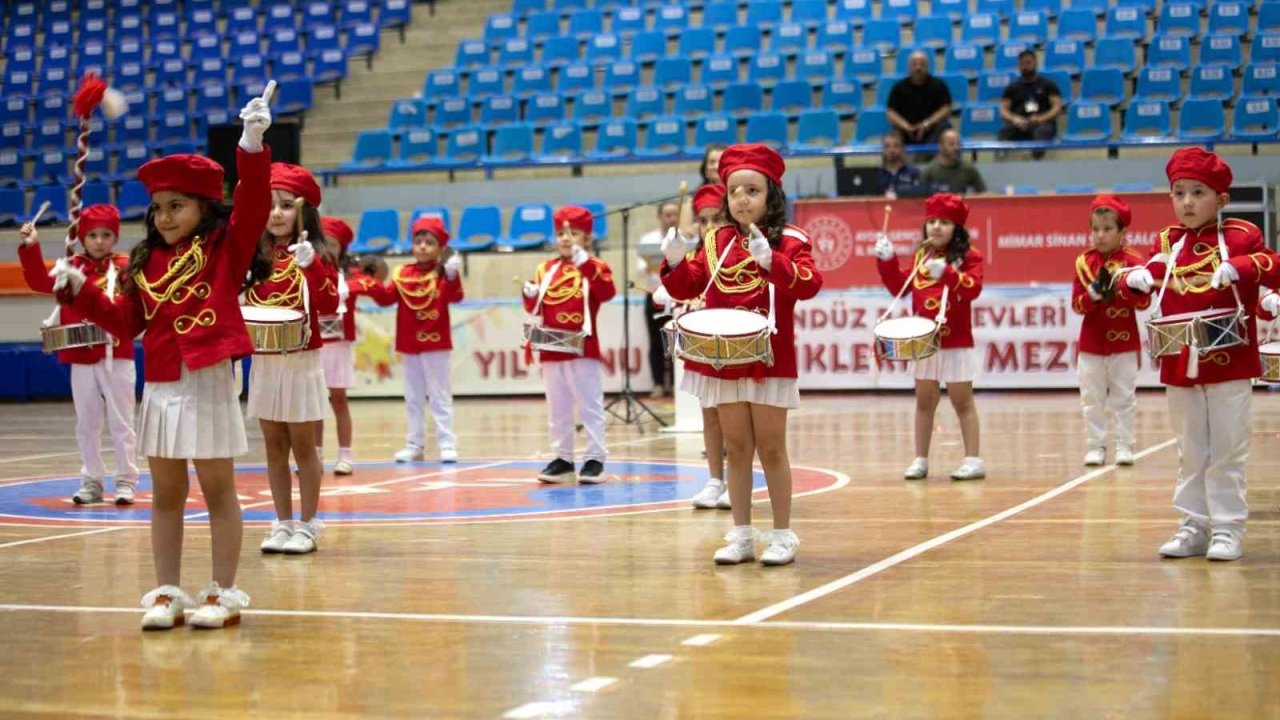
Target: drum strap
{"points": [[711, 280], [112, 274], [344, 292], [587, 325]]}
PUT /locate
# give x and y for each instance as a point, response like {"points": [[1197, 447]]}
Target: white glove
{"points": [[935, 267], [579, 257], [642, 265], [1094, 295], [676, 245], [64, 275], [303, 253], [257, 118], [1225, 275], [661, 296], [530, 289], [28, 234], [1140, 280], [1271, 303], [759, 247], [452, 266], [344, 293], [884, 248]]}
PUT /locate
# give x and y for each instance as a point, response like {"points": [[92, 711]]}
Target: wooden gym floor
{"points": [[1034, 593]]}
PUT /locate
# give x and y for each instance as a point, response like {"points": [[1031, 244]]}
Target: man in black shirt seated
{"points": [[1031, 105], [920, 104]]}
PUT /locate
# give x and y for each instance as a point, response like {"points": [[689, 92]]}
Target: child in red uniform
{"points": [[287, 390], [761, 264], [1210, 393], [182, 287], [98, 386], [566, 293], [424, 337], [1109, 338], [944, 260]]}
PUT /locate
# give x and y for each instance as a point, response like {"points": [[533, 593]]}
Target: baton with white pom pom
{"points": [[93, 92]]}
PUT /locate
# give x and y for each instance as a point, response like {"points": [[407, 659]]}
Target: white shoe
{"points": [[1191, 539], [1225, 545], [1096, 457], [971, 469], [709, 494], [741, 546], [124, 493], [219, 607], [723, 502], [343, 467], [277, 536], [410, 453], [90, 492], [164, 608], [448, 455], [303, 540], [1124, 457], [917, 470], [782, 548]]}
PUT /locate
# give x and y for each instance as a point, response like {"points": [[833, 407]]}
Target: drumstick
{"points": [[44, 206], [888, 210], [297, 216]]}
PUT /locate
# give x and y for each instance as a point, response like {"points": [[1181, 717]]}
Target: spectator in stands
{"points": [[920, 104], [710, 168], [949, 171], [897, 176], [649, 250], [1031, 105]]}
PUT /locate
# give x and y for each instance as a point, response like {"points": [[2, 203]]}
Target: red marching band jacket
{"points": [[357, 284], [1190, 291], [1109, 327], [95, 271], [187, 296], [964, 285], [563, 304], [424, 294], [740, 283], [283, 289]]}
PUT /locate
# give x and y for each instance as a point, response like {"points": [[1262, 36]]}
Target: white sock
{"points": [[344, 454]]}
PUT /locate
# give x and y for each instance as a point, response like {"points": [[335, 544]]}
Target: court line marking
{"points": [[32, 541], [1116, 630], [45, 456], [593, 684], [876, 568], [651, 661], [700, 640]]}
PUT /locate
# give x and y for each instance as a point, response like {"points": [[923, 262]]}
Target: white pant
{"points": [[579, 382], [1108, 387], [97, 392], [426, 375], [1213, 423]]}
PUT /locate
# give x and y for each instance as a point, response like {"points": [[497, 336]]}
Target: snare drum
{"points": [[1206, 330], [275, 330], [549, 339], [331, 327], [722, 337], [72, 335], [1270, 353], [906, 338]]}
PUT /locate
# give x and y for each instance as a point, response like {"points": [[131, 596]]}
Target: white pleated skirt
{"points": [[944, 366], [287, 388], [197, 417], [339, 362], [711, 391]]}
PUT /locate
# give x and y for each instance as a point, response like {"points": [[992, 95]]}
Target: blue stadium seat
{"points": [[1075, 189], [882, 35], [478, 229], [290, 66], [15, 108], [499, 110], [991, 85], [249, 68], [395, 13], [373, 149], [872, 125], [856, 12], [407, 114], [362, 40], [863, 65], [562, 140], [1115, 52], [592, 106], [698, 42], [817, 130], [1254, 119], [1001, 8], [671, 19], [764, 13], [1210, 82], [1029, 26], [615, 138], [329, 66], [51, 135], [56, 196], [1062, 79], [1088, 122], [904, 11], [810, 13], [1229, 18], [1047, 7], [1104, 85], [51, 164], [628, 20], [961, 59], [576, 77], [604, 49], [1221, 50], [241, 20], [713, 129], [172, 100], [646, 102], [743, 41], [210, 71], [1179, 19], [958, 85], [417, 149], [279, 16], [1126, 23], [174, 128], [1261, 79], [500, 28], [130, 158], [92, 56], [742, 98], [933, 31], [1006, 55], [12, 166], [1067, 55], [1099, 7], [790, 40], [693, 101], [767, 128], [1158, 83], [1146, 119], [560, 51], [835, 36], [317, 11], [842, 96], [791, 97], [377, 232], [530, 81], [515, 53], [720, 70], [485, 82], [1265, 47], [620, 77], [133, 200], [1171, 51], [815, 67], [766, 69], [587, 23], [981, 122], [663, 137], [1077, 24], [451, 113], [472, 54], [511, 144], [672, 73], [95, 193], [531, 228], [650, 46], [544, 109], [1268, 18], [981, 29], [440, 212], [1201, 120], [12, 205]]}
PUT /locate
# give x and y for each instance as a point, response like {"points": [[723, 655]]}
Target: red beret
{"points": [[578, 218], [708, 196], [1196, 164], [431, 224], [297, 180], [947, 206], [752, 156], [1115, 205], [338, 230], [98, 216], [194, 175]]}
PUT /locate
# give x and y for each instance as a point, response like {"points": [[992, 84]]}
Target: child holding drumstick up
{"points": [[946, 279]]}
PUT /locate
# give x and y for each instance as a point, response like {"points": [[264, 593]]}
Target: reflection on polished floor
{"points": [[471, 591]]}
